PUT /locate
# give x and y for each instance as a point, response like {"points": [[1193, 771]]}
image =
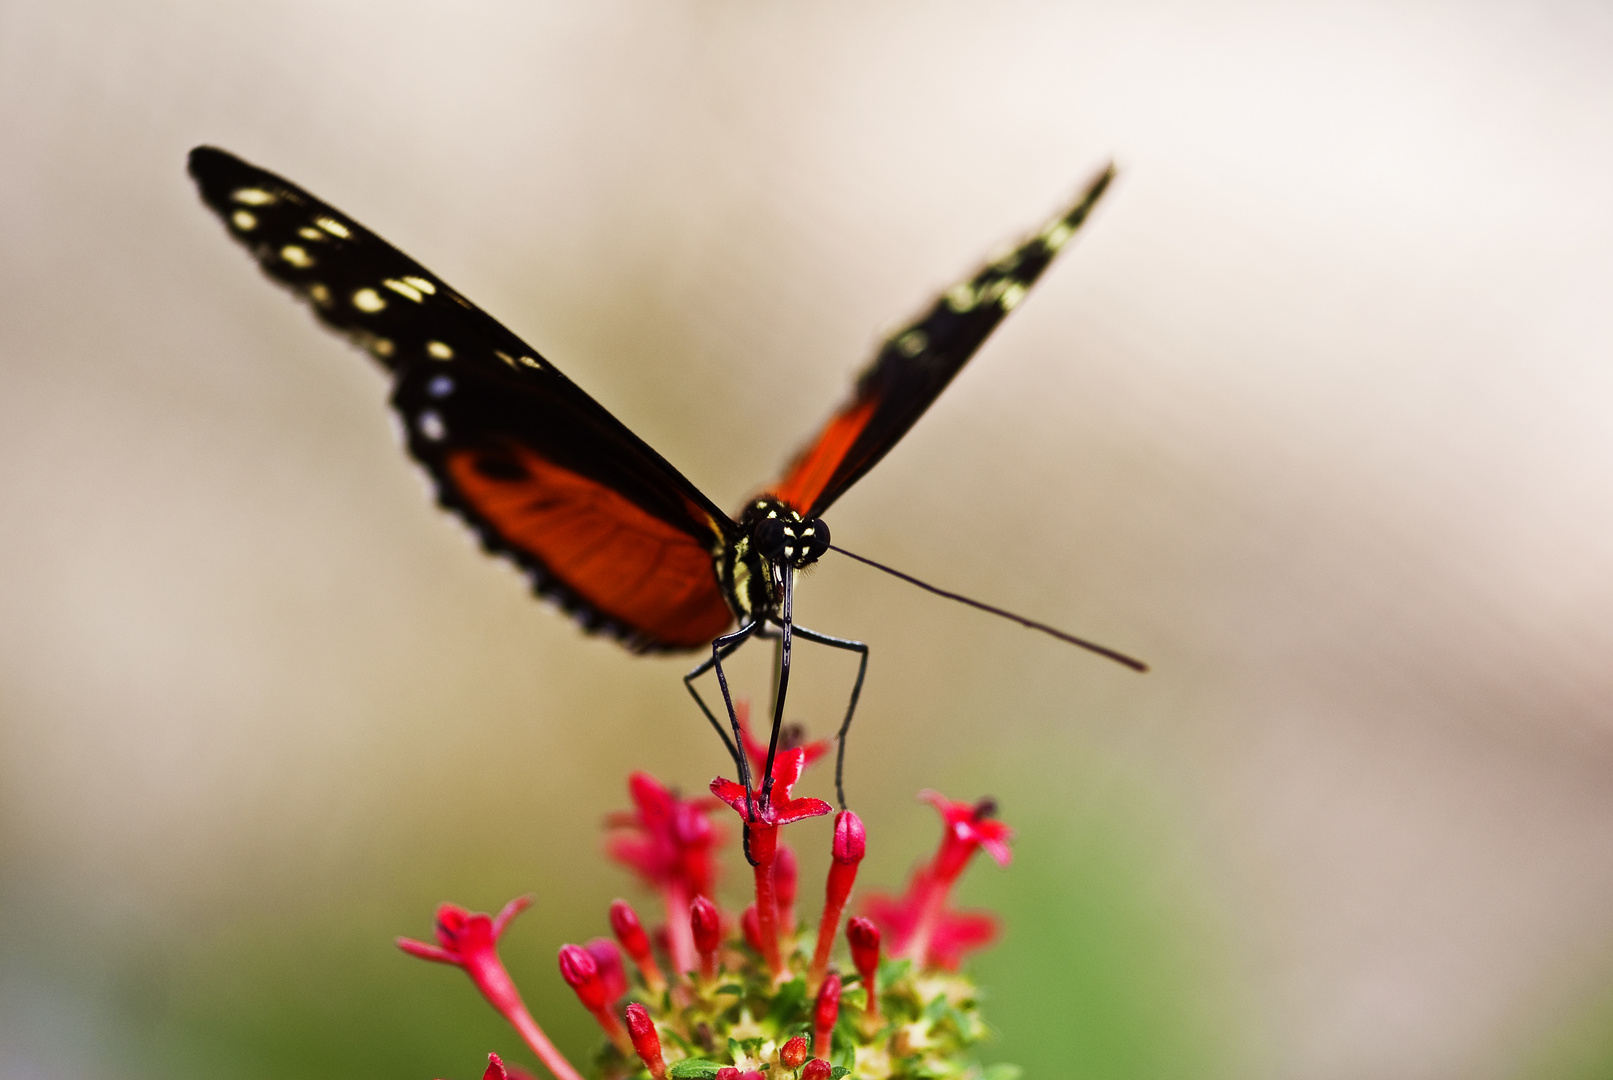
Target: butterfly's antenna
{"points": [[1090, 646]]}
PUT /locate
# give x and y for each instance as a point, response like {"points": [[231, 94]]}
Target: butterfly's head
{"points": [[780, 535]]}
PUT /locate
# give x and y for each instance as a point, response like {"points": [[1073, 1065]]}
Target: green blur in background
{"points": [[1312, 416]]}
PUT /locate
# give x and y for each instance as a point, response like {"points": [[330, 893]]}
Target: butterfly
{"points": [[545, 476]]}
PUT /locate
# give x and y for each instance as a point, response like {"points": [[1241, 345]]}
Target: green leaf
{"points": [[787, 1000], [731, 988], [842, 1049], [693, 1069], [838, 1071], [892, 971]]}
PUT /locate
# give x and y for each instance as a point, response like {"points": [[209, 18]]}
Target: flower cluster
{"points": [[702, 1002]]}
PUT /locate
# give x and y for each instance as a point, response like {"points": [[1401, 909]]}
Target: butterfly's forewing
{"points": [[916, 363], [541, 471]]}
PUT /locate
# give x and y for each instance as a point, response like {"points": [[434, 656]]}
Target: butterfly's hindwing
{"points": [[598, 532], [542, 473], [916, 363]]}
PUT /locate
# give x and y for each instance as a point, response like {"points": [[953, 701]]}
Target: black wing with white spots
{"points": [[918, 362], [542, 472]]}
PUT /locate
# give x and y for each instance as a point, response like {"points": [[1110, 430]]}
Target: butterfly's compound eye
{"points": [[814, 541], [769, 539]]}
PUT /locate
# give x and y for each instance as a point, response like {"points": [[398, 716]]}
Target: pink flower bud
{"points": [[645, 1040], [864, 937], [495, 1069], [816, 1069], [706, 924], [824, 1014], [609, 962], [624, 923], [581, 972], [751, 927], [850, 843], [727, 1072], [851, 840], [628, 930], [793, 1054]]}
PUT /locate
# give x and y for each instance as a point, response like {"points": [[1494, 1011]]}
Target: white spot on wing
{"points": [[245, 220], [531, 363], [961, 297], [297, 256], [439, 351], [432, 427], [1058, 235], [368, 300], [912, 343], [422, 284], [252, 196], [308, 233], [1012, 296], [334, 227], [440, 387], [404, 290], [382, 347], [319, 294]]}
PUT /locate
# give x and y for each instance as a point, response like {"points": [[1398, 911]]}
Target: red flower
{"points": [[969, 826], [469, 940], [763, 815], [674, 838], [948, 934], [919, 925], [791, 737], [671, 848], [780, 809]]}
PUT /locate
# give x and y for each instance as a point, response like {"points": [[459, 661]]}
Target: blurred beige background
{"points": [[1314, 416]]}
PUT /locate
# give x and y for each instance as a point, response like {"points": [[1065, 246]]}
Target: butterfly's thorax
{"points": [[774, 539]]}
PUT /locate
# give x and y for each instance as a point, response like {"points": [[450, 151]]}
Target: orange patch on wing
{"points": [[814, 467], [629, 564]]}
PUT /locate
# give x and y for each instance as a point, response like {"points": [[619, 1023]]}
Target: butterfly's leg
{"points": [[724, 646], [851, 706]]}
